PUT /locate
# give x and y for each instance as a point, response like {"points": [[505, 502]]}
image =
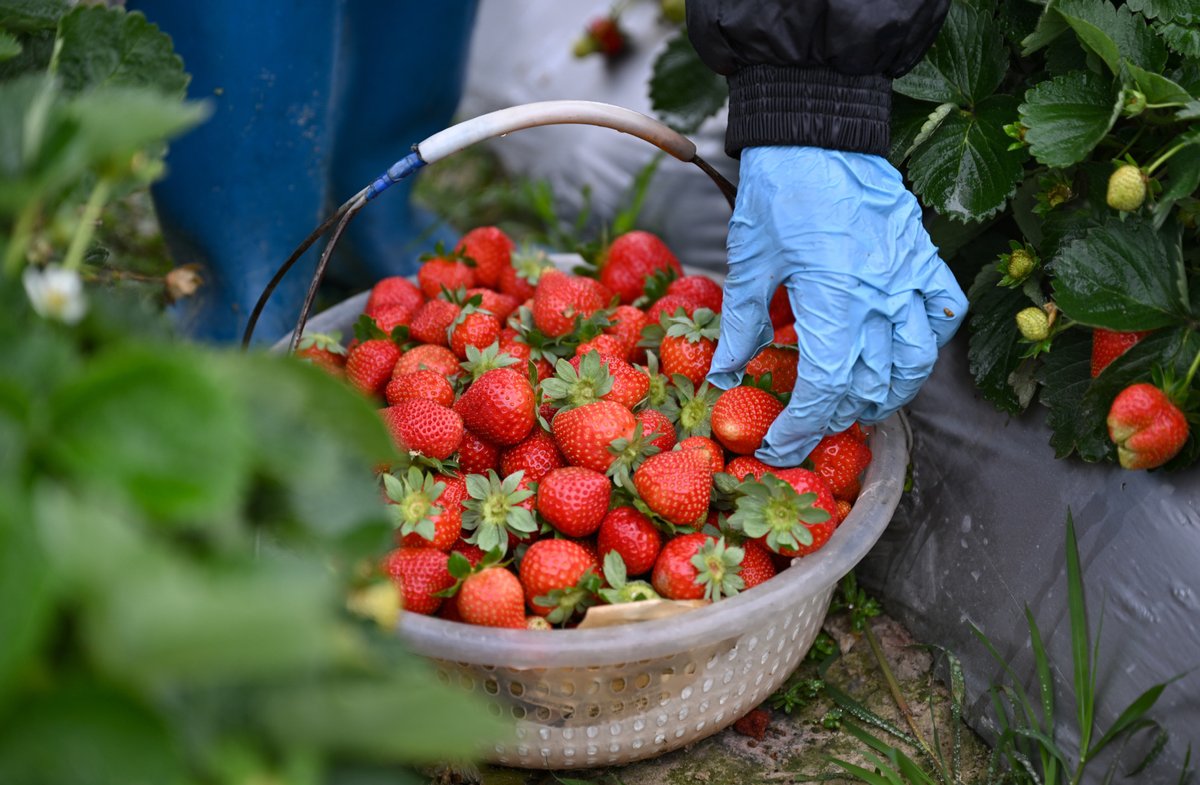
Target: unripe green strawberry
{"points": [[1033, 323], [1135, 103], [1020, 264], [1126, 188]]}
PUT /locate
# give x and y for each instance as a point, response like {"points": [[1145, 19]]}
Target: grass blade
{"points": [[1045, 681], [1047, 745], [869, 777], [866, 716], [1133, 712], [1080, 641], [1160, 742], [1185, 773]]}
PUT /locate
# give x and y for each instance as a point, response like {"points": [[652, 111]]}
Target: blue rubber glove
{"points": [[872, 299]]}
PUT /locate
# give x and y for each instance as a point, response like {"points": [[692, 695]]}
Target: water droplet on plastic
{"points": [[966, 524], [976, 574]]}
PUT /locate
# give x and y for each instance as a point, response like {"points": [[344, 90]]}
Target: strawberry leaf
{"points": [[995, 351], [1066, 117], [684, 92], [966, 63]]}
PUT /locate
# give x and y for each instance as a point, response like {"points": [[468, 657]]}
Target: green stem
{"points": [[1187, 382], [1162, 159], [1132, 141], [1169, 105], [14, 254], [894, 688], [87, 224]]}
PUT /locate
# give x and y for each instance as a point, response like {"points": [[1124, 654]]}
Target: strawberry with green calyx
{"points": [[1054, 189], [393, 290], [744, 466], [560, 578], [490, 249], [480, 361], [718, 569], [584, 434], [630, 453], [427, 356], [629, 384], [690, 408], [605, 345], [424, 383], [774, 369], [1038, 326], [472, 327], [420, 426], [520, 279], [656, 286], [676, 485], [444, 271], [742, 416], [537, 456], [1108, 345], [620, 589], [389, 317], [688, 346], [573, 500], [630, 259], [432, 321], [659, 392], [1147, 427], [324, 351], [658, 427], [1127, 187], [500, 407], [671, 305], [486, 594], [496, 303], [577, 385], [631, 534], [421, 575], [773, 511], [716, 456], [496, 508], [415, 510], [1016, 266], [561, 301], [697, 566], [700, 289], [603, 36]]}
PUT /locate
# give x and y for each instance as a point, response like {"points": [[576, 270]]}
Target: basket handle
{"points": [[458, 137]]}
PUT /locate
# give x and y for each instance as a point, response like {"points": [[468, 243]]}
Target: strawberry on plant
{"points": [[779, 362], [742, 416], [689, 344], [422, 426], [323, 351], [1146, 426], [419, 573], [630, 259], [676, 485], [438, 359], [1127, 188], [499, 407], [1033, 323], [491, 251], [496, 508], [655, 422], [602, 36], [700, 289], [573, 500], [1108, 345], [840, 459], [620, 589], [560, 578], [583, 435], [697, 566], [369, 365], [424, 383], [787, 518], [395, 290], [537, 456], [629, 533], [440, 273]]}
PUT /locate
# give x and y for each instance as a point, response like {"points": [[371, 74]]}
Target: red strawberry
{"points": [[560, 298], [419, 573], [432, 320], [574, 500], [757, 566], [605, 345], [626, 324], [688, 347], [490, 249], [426, 510], [495, 303], [780, 309], [700, 289], [519, 279], [420, 425], [584, 434], [633, 536], [499, 407], [747, 466], [1108, 345], [791, 511], [424, 383], [537, 455], [449, 274], [472, 553], [396, 290], [742, 416], [492, 597], [499, 513], [654, 421], [843, 510], [629, 385], [323, 351], [604, 36], [555, 575], [438, 359], [473, 328], [1147, 427], [839, 459], [695, 566], [633, 257], [716, 456], [778, 361], [677, 485], [669, 306], [475, 456], [370, 365], [389, 317], [858, 432]]}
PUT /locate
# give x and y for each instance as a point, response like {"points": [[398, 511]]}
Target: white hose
{"points": [[504, 121]]}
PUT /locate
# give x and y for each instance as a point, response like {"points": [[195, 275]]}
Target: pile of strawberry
{"points": [[560, 446]]}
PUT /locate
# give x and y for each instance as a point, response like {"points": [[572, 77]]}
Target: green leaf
{"points": [[994, 351], [908, 116], [1068, 116], [1120, 276], [28, 15], [109, 47], [1181, 38], [965, 169], [1080, 640], [156, 426], [1157, 88], [1162, 9], [1131, 715], [966, 63], [684, 92], [25, 599], [10, 47], [1049, 27], [116, 122], [1114, 33], [1183, 178], [88, 734], [1065, 376]]}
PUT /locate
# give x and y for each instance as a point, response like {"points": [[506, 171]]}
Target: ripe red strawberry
{"points": [[323, 351], [370, 365], [497, 304], [1147, 427], [537, 456], [603, 35], [1108, 345], [438, 359], [574, 500], [778, 361], [473, 328], [633, 536], [420, 425], [449, 274], [780, 309], [839, 459], [424, 383], [499, 513], [747, 466], [677, 485], [519, 279], [716, 456], [472, 553], [669, 306], [696, 566], [426, 510], [583, 434], [556, 575], [605, 345], [430, 322], [389, 317], [790, 511], [560, 298], [786, 334], [688, 347], [395, 290], [757, 566], [654, 421], [843, 510], [626, 324], [629, 385], [499, 407], [700, 289], [419, 573], [742, 416], [492, 597], [633, 257], [476, 456], [490, 249]]}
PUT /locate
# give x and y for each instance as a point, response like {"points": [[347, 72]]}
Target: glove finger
{"points": [[870, 377], [945, 304], [745, 322], [914, 352]]}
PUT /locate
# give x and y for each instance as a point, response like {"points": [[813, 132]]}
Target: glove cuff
{"points": [[773, 105]]}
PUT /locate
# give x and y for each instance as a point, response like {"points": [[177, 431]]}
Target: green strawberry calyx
{"points": [[620, 589], [718, 569], [415, 496], [567, 602], [630, 454], [492, 510], [480, 361], [690, 408], [460, 569], [570, 389], [327, 342], [702, 325], [772, 508]]}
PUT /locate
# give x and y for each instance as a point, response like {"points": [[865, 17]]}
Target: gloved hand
{"points": [[872, 299]]}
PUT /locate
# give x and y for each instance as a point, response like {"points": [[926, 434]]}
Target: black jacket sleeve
{"points": [[812, 72]]}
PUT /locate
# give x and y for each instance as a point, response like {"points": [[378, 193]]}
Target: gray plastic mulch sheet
{"points": [[982, 535]]}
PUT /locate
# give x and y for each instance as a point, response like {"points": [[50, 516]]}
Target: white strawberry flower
{"points": [[55, 293]]}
